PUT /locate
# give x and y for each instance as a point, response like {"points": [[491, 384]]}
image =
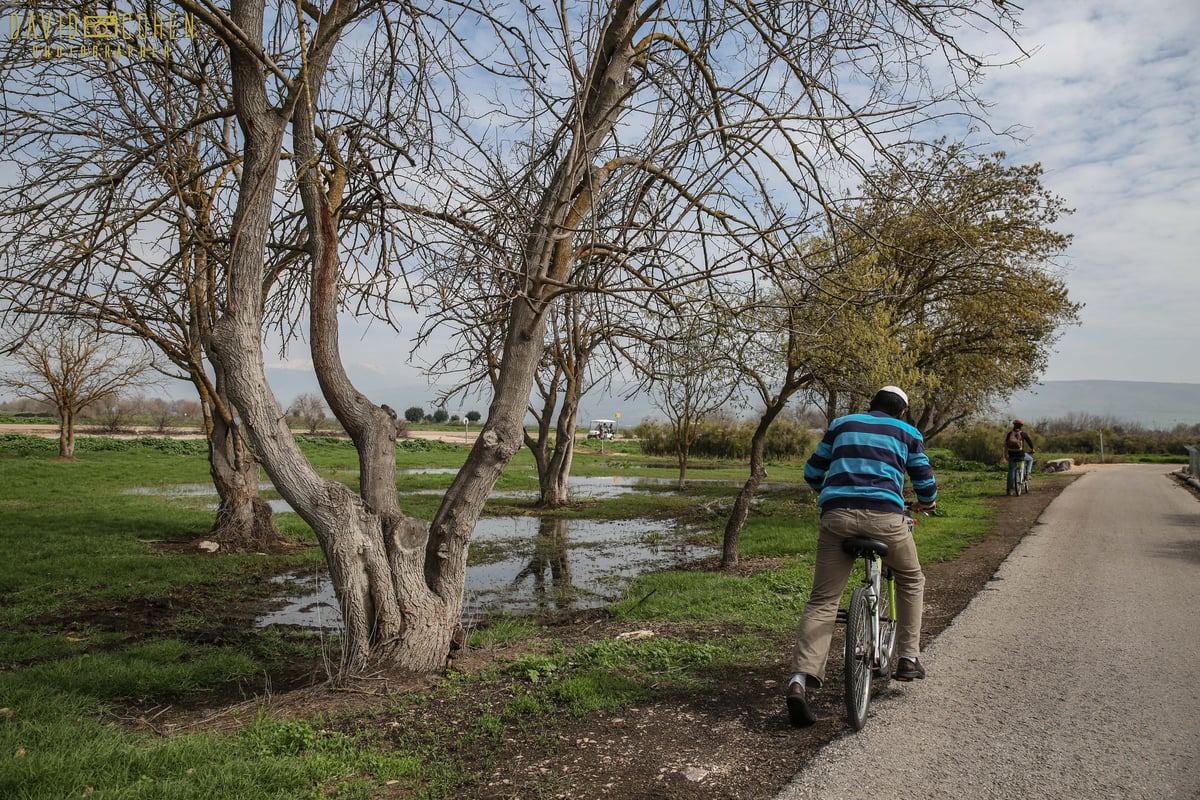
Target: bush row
{"points": [[786, 440], [985, 442]]}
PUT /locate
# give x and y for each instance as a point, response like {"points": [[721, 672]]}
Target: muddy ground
{"points": [[732, 742]]}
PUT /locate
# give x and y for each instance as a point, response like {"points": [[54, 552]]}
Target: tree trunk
{"points": [[501, 437], [244, 520], [540, 447], [758, 472], [66, 434], [682, 454], [554, 484], [399, 585]]}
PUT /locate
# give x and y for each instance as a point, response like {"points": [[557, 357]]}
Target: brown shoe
{"points": [[799, 712], [908, 669]]}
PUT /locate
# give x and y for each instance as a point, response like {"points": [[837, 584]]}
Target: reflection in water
{"points": [[549, 553], [544, 564], [520, 564]]}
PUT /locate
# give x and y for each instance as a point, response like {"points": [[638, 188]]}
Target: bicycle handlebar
{"points": [[930, 511]]}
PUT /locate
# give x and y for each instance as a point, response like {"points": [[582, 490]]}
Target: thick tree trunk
{"points": [[244, 519], [501, 437], [399, 585], [377, 555]]}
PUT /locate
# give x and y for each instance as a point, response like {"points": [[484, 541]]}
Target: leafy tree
{"points": [[414, 414], [474, 416], [962, 254], [939, 278], [441, 415]]}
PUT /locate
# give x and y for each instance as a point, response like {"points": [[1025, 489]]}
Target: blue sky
{"points": [[1108, 103]]}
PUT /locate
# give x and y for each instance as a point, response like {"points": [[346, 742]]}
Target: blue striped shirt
{"points": [[862, 460]]}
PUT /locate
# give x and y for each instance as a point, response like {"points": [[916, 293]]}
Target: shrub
{"points": [[979, 442], [729, 441]]}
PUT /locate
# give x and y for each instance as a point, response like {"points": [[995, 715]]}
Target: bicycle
{"points": [[1020, 478], [870, 626], [870, 623]]}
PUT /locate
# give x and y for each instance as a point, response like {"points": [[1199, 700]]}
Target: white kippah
{"points": [[896, 390]]}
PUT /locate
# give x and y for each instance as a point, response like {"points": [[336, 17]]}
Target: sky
{"points": [[1108, 103]]}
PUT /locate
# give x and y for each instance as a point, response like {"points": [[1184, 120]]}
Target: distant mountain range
{"points": [[1152, 405]]}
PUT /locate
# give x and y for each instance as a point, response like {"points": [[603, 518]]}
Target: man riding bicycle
{"points": [[858, 469], [1018, 447]]}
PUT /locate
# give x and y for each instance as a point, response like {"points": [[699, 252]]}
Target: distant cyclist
{"points": [[859, 469], [1018, 447]]}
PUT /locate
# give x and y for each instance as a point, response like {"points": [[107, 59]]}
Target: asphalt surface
{"points": [[1075, 674]]}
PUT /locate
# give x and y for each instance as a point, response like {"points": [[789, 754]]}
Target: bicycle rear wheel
{"points": [[859, 651]]}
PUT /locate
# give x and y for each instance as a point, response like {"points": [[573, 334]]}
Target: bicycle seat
{"points": [[861, 545]]}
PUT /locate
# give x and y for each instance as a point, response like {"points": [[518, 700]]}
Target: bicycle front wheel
{"points": [[859, 651]]}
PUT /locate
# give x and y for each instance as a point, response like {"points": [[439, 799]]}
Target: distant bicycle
{"points": [[1020, 478]]}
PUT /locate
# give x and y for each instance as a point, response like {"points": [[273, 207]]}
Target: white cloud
{"points": [[1108, 103]]}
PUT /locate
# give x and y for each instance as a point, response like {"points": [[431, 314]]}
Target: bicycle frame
{"points": [[1020, 472], [870, 628], [873, 582], [879, 579]]}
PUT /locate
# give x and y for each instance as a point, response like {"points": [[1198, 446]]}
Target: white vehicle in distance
{"points": [[602, 429]]}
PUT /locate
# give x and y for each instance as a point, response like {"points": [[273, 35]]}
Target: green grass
{"points": [[78, 666]]}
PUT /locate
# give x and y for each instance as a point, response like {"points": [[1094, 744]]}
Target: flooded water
{"points": [[520, 564], [544, 564], [206, 491], [580, 488]]}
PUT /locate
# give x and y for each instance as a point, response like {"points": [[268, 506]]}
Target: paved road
{"points": [[1074, 675]]}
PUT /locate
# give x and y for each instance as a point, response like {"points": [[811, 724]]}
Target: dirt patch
{"points": [[735, 742]]}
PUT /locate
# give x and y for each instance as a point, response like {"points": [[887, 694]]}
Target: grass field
{"points": [[102, 627]]}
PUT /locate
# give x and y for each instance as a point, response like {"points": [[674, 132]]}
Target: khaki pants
{"points": [[832, 573]]}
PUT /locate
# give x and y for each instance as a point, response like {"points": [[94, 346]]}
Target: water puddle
{"points": [[589, 488], [205, 491], [530, 564], [519, 564]]}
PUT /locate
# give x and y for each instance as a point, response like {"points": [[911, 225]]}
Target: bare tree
{"points": [[690, 378], [120, 215], [580, 336], [706, 175], [709, 127], [162, 413], [309, 409], [75, 369]]}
